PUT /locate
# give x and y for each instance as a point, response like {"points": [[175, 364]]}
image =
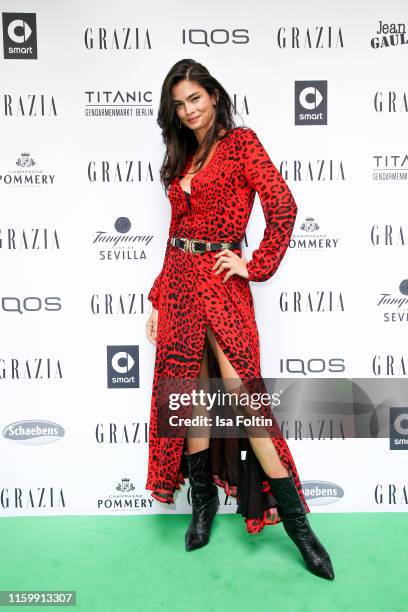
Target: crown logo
{"points": [[125, 486], [25, 161], [309, 225]]}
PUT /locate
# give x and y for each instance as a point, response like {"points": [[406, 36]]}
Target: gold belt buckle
{"points": [[192, 243], [186, 246]]}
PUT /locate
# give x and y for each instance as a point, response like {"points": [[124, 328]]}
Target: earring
{"points": [[179, 125]]}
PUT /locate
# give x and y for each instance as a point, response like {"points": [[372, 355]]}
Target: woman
{"points": [[203, 321]]}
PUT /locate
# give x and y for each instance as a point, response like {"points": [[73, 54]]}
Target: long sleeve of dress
{"points": [[154, 293], [278, 205]]}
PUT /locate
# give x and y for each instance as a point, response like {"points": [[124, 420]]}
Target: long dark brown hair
{"points": [[180, 141]]}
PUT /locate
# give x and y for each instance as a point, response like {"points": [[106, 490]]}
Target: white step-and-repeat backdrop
{"points": [[84, 222]]}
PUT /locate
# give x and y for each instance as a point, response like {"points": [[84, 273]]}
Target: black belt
{"points": [[201, 246]]}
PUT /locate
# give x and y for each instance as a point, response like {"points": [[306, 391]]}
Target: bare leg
{"points": [[290, 506], [263, 448]]}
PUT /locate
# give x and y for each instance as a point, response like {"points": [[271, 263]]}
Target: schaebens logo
{"points": [[321, 492], [34, 433]]}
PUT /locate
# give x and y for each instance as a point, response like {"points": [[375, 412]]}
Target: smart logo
{"points": [[123, 367], [310, 102], [20, 36], [398, 428]]}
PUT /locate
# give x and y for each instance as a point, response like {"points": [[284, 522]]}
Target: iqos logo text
{"points": [[218, 36], [30, 304]]}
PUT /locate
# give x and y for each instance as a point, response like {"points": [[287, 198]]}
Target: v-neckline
{"points": [[202, 169]]}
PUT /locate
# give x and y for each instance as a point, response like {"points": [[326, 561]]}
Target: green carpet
{"points": [[139, 563]]}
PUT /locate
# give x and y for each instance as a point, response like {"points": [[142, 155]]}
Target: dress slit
{"points": [[240, 477]]}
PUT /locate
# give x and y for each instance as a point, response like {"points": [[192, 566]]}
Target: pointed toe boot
{"points": [[296, 525]]}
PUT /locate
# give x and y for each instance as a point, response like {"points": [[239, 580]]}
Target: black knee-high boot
{"points": [[296, 525], [204, 499]]}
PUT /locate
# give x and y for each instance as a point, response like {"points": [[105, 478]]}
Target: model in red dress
{"points": [[191, 297]]}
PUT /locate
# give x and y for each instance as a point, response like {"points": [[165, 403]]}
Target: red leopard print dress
{"points": [[190, 297]]}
